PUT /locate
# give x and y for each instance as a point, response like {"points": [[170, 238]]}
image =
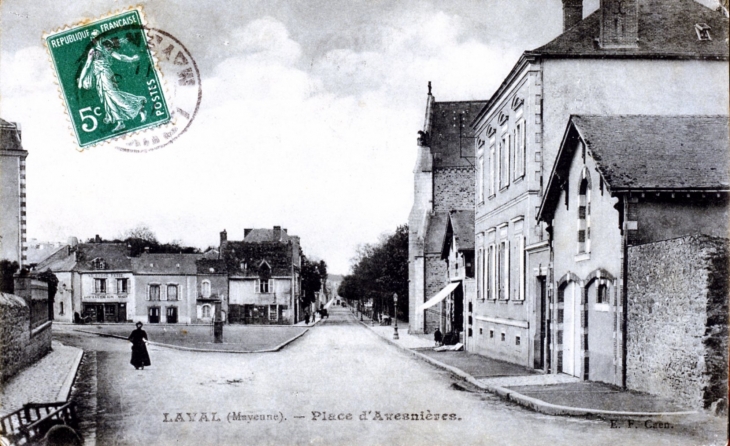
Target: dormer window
{"points": [[703, 31], [98, 263]]}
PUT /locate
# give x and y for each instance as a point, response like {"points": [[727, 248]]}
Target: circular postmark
{"points": [[183, 93]]}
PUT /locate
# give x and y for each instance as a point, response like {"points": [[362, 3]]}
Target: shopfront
{"points": [[105, 312]]}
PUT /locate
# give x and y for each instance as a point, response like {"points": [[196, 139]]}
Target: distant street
{"points": [[338, 368]]}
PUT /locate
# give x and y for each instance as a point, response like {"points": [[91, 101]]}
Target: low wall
{"points": [[20, 345], [677, 333]]}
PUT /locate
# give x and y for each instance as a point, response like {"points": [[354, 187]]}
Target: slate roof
{"points": [[166, 264], [462, 225], [447, 148], [59, 261], [647, 152], [10, 136], [277, 255], [434, 239], [265, 235], [204, 266], [666, 29]]}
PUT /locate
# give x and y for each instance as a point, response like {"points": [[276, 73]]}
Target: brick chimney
{"points": [[246, 232], [224, 236], [572, 13], [619, 23], [277, 233]]}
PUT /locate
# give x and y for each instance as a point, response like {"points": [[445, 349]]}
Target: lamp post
{"points": [[395, 316]]}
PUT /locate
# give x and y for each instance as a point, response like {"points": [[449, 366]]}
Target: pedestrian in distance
{"points": [[140, 357], [306, 318], [438, 337]]}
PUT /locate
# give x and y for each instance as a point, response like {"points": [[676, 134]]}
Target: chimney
{"points": [[246, 232], [619, 24], [97, 239], [277, 233], [224, 236], [572, 13]]}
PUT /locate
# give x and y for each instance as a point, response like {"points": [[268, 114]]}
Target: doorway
{"points": [[171, 315], [542, 324], [153, 315], [571, 329]]}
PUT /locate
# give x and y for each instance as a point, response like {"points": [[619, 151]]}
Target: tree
{"points": [[322, 271], [311, 280], [52, 281], [379, 271], [141, 237], [141, 232], [7, 271]]}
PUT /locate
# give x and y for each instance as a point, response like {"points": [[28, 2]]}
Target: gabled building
{"points": [[444, 178], [618, 182], [166, 288], [654, 57], [95, 280], [264, 277], [212, 292], [13, 245]]}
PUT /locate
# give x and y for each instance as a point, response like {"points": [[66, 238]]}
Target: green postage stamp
{"points": [[108, 77]]}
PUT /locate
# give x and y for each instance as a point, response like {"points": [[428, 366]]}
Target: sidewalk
{"points": [[553, 394], [48, 380]]}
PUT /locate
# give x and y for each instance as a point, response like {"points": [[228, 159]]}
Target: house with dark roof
{"points": [[652, 57], [212, 290], [457, 253], [13, 245], [264, 277], [166, 288], [443, 181], [95, 280], [617, 182]]}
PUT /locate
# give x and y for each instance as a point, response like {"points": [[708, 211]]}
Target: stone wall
{"points": [[20, 346], [436, 280], [453, 188], [677, 320]]}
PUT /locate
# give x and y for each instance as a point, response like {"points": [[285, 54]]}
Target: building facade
{"points": [[598, 65], [212, 291], [264, 277], [12, 194], [443, 181], [618, 182]]}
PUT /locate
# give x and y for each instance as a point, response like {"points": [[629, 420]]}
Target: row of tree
{"points": [[314, 279], [379, 271]]}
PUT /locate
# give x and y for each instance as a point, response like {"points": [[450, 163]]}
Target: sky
{"points": [[308, 120]]}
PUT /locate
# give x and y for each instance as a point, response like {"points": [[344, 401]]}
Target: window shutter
{"points": [[147, 297], [506, 269], [522, 268]]}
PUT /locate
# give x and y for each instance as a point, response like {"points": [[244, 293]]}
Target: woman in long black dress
{"points": [[140, 357]]}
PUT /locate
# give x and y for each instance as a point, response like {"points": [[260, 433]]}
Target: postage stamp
{"points": [[108, 77]]}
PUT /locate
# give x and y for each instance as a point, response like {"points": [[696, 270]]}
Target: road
{"points": [[336, 369]]}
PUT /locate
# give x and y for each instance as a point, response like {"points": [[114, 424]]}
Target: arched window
{"points": [[206, 311], [205, 288], [584, 213]]}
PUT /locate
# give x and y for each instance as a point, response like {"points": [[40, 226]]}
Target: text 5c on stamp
{"points": [[108, 77]]}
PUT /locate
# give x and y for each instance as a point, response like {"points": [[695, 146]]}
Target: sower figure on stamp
{"points": [[119, 106], [140, 357]]}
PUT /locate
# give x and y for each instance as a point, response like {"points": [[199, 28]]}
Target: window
{"points": [[272, 313], [205, 288], [503, 337], [480, 179], [602, 294], [264, 286], [490, 272], [584, 214], [519, 142], [122, 286], [470, 332], [505, 150], [491, 333], [61, 310], [205, 311], [503, 270], [153, 292], [481, 330], [703, 31], [492, 170], [517, 340], [481, 273], [100, 285], [172, 292]]}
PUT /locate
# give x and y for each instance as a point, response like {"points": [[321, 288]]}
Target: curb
{"points": [[65, 391], [533, 403], [203, 350]]}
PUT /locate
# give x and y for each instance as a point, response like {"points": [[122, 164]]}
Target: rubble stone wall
{"points": [[677, 344], [20, 346], [453, 188]]}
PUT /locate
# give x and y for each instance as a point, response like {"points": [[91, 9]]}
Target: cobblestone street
{"points": [[334, 370]]}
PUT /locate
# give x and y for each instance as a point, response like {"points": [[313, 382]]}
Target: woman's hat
{"points": [[138, 324]]}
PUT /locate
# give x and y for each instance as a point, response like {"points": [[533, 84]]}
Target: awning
{"points": [[441, 295]]}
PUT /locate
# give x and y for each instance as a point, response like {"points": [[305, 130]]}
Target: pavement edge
{"points": [[65, 391], [529, 402]]}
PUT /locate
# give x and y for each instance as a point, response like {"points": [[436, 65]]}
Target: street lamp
{"points": [[395, 316]]}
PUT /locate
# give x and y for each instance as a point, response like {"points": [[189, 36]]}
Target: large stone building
{"points": [[264, 273], [12, 194], [618, 182], [443, 181], [628, 57]]}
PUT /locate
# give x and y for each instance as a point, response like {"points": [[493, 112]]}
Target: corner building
{"points": [[629, 57]]}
